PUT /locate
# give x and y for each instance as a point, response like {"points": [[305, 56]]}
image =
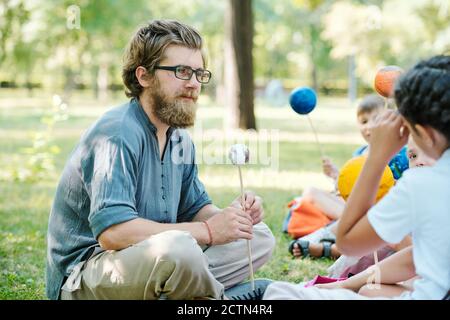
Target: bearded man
{"points": [[130, 218]]}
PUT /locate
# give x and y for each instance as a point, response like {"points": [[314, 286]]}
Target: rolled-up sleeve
{"points": [[109, 173], [193, 193]]}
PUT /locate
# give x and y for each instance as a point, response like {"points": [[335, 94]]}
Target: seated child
{"points": [[321, 242], [418, 204], [346, 266], [329, 203]]}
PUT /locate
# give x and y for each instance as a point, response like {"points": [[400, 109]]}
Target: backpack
{"points": [[305, 218]]}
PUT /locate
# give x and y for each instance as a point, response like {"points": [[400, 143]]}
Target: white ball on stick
{"points": [[240, 155]]}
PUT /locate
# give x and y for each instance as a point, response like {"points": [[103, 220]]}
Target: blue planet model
{"points": [[303, 100]]}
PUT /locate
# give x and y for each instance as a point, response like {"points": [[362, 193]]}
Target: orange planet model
{"points": [[385, 80]]}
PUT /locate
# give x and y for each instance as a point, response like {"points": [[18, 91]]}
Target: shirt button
{"points": [[162, 163], [162, 176], [164, 197]]}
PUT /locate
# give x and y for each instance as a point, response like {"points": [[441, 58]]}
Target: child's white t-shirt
{"points": [[420, 204]]}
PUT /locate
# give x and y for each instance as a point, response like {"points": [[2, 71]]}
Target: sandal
{"points": [[327, 248], [303, 245]]}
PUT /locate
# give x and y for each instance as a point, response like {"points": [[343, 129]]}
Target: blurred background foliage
{"points": [[299, 42]]}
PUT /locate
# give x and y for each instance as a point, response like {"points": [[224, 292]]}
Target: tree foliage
{"points": [[299, 41]]}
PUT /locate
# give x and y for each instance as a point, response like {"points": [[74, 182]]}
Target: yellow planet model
{"points": [[349, 173]]}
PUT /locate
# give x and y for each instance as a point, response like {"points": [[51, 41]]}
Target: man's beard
{"points": [[175, 112]]}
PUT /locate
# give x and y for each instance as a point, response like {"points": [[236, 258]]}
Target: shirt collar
{"points": [[141, 115], [145, 120], [443, 160], [445, 155]]}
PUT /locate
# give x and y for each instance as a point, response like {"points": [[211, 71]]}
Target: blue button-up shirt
{"points": [[116, 174]]}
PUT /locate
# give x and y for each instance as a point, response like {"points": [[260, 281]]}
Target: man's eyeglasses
{"points": [[186, 72]]}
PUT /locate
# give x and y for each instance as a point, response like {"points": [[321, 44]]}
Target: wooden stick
{"points": [[315, 135], [249, 248]]}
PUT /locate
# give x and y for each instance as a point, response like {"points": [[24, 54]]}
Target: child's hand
{"points": [[329, 169], [388, 134], [335, 285]]}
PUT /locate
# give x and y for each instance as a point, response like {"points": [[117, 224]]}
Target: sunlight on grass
{"points": [[284, 138]]}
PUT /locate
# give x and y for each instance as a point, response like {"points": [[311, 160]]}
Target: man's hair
{"points": [[370, 103], [423, 94], [147, 48]]}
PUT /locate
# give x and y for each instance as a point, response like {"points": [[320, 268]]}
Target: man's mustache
{"points": [[189, 95]]}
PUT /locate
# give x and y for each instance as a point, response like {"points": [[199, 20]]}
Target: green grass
{"points": [[24, 207]]}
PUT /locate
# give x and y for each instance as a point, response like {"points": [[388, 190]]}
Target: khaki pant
{"points": [[169, 265]]}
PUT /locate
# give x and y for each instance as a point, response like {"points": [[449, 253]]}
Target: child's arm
{"points": [[395, 268], [329, 169], [355, 236], [331, 205], [406, 242]]}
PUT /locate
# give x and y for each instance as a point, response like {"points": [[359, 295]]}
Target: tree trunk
{"points": [[102, 81], [352, 86], [29, 84], [239, 64], [314, 34], [314, 81], [94, 84], [69, 84]]}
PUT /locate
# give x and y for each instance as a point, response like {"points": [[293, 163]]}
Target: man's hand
{"points": [[329, 169], [229, 225], [253, 206], [388, 134]]}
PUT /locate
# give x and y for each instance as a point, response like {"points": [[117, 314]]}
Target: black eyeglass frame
{"points": [[197, 75]]}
